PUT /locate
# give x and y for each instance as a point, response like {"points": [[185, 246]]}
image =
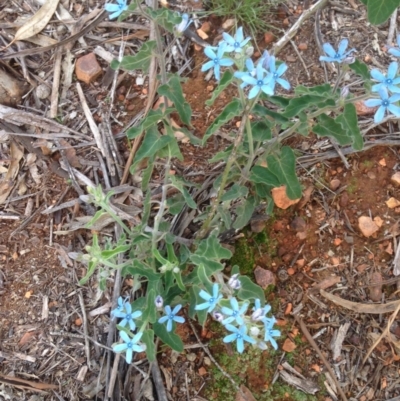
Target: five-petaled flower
{"points": [[269, 332], [395, 51], [116, 9], [251, 72], [240, 335], [127, 316], [235, 313], [336, 56], [130, 345], [170, 316], [236, 43], [260, 83], [211, 300], [277, 73], [120, 307], [385, 103], [216, 60], [259, 312], [389, 81]]}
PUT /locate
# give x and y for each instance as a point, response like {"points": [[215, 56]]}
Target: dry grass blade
{"points": [[38, 21]]}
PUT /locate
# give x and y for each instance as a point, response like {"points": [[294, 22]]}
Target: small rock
{"points": [[396, 178], [206, 27], [281, 199], [191, 357], [392, 203], [371, 175], [303, 46], [43, 91], [202, 34], [87, 68], [367, 226], [334, 184], [264, 277], [298, 224], [269, 37]]}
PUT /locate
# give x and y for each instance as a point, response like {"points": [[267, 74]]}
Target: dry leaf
{"points": [[289, 345], [367, 226], [8, 183], [281, 199], [38, 21], [30, 162], [70, 153]]}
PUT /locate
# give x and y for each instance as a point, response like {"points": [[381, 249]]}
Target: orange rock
{"points": [[269, 37], [367, 226], [303, 46], [87, 69], [396, 178]]}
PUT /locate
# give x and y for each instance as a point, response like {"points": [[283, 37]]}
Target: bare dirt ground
{"points": [[54, 334]]}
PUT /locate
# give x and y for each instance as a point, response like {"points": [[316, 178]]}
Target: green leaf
{"points": [[244, 213], [284, 167], [324, 89], [148, 339], [173, 91], [327, 126], [169, 338], [261, 131], [250, 290], [147, 174], [303, 128], [175, 204], [114, 64], [261, 175], [361, 69], [209, 253], [138, 268], [152, 143], [150, 312], [262, 111], [203, 277], [91, 268], [380, 10], [223, 155], [226, 79], [298, 104], [152, 118], [231, 110], [165, 17], [98, 215], [141, 60], [236, 191], [107, 254], [349, 122], [179, 184]]}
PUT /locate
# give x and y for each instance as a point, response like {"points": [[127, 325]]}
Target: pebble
{"points": [[87, 68]]}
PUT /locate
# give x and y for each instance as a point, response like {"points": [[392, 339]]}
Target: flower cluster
{"points": [[130, 343], [256, 329], [262, 77]]}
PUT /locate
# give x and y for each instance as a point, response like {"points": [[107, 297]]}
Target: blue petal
{"points": [[228, 39], [273, 343], [394, 110], [137, 348], [228, 320], [169, 325], [177, 309], [221, 50], [373, 102], [124, 336], [217, 73], [267, 308], [118, 313], [329, 50], [282, 69], [207, 66], [167, 310], [282, 82], [123, 322], [229, 338], [398, 39], [268, 89], [343, 46], [215, 290], [250, 65], [249, 80], [132, 325], [239, 320], [394, 89], [136, 314], [249, 339], [260, 72], [396, 80], [226, 311], [394, 98], [128, 308], [120, 347], [239, 35], [202, 306], [244, 42], [209, 52], [179, 319], [234, 303], [163, 319], [272, 64], [377, 75], [376, 87], [137, 337], [111, 7], [115, 15], [231, 328], [240, 345], [327, 59], [395, 52], [379, 115], [226, 62], [129, 353], [383, 93], [254, 92], [392, 70], [121, 2]]}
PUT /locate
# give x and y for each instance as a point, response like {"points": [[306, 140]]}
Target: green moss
{"points": [[244, 257], [352, 186]]}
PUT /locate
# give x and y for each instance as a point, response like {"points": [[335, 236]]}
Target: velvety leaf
{"points": [[327, 126], [148, 339], [176, 203], [169, 338], [109, 253], [165, 17], [141, 60], [173, 91], [152, 118], [261, 175], [204, 279], [226, 79], [244, 213], [380, 10], [179, 184], [250, 290], [261, 131], [324, 89], [361, 69], [262, 111], [138, 268], [231, 110], [349, 122], [298, 104], [236, 191], [147, 173], [150, 312]]}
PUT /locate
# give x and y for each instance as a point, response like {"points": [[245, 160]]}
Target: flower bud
{"points": [[257, 315], [180, 28], [344, 92], [234, 282], [159, 302], [265, 59], [349, 60], [176, 269], [254, 331], [219, 317]]}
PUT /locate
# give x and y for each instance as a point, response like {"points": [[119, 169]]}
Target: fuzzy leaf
{"points": [[169, 338], [327, 126], [349, 122], [380, 10], [250, 290], [141, 60], [148, 339]]}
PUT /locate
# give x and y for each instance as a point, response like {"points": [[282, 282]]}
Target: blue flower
{"points": [[180, 28], [269, 332], [171, 317], [159, 302], [212, 300], [251, 71], [265, 59], [120, 307], [384, 103], [216, 60], [260, 82], [130, 345], [127, 316], [239, 334], [277, 73], [116, 9], [259, 312], [235, 313], [336, 56], [234, 282], [235, 43], [394, 50], [389, 81]]}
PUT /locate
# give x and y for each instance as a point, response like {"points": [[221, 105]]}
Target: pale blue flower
{"points": [[127, 316], [389, 81], [216, 60], [260, 82], [251, 71], [212, 300], [239, 335], [269, 332], [259, 312], [180, 28], [385, 103], [159, 302], [235, 313], [170, 316], [265, 59], [277, 73], [130, 345], [336, 56], [219, 317], [120, 307], [394, 50], [116, 9], [234, 282], [236, 43]]}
